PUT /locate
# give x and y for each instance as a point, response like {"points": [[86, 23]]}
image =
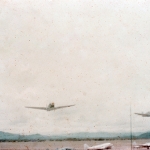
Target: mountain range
{"points": [[5, 136]]}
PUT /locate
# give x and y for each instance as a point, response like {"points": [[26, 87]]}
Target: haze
{"points": [[91, 53]]}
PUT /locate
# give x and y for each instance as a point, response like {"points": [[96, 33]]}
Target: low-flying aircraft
{"points": [[144, 114], [146, 145], [50, 107], [98, 147]]}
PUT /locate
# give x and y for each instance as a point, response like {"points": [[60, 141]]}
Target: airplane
{"points": [[146, 145], [98, 147], [50, 107], [65, 148], [144, 114]]}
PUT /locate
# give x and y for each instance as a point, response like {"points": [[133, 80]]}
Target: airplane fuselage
{"points": [[100, 147], [49, 109], [146, 145]]}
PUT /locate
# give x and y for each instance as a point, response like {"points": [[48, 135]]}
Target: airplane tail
{"points": [[51, 105], [134, 143], [86, 146]]}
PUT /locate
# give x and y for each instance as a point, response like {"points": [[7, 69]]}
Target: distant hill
{"points": [[144, 136], [5, 136], [9, 136], [82, 135]]}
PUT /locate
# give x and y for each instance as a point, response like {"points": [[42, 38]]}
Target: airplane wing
{"points": [[138, 114], [63, 107], [43, 108], [105, 147], [99, 148], [102, 148], [136, 146]]}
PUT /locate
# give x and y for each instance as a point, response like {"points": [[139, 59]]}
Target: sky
{"points": [[91, 53]]}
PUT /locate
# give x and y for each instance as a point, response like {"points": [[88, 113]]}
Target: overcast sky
{"points": [[92, 53]]}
